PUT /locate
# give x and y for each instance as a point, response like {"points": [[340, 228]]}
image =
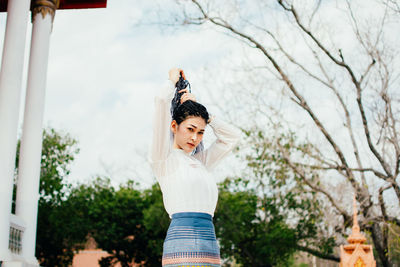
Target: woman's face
{"points": [[189, 133]]}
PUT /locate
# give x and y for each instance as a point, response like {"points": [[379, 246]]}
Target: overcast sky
{"points": [[105, 66], [104, 69]]}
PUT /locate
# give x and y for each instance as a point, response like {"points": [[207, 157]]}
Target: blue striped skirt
{"points": [[191, 241]]}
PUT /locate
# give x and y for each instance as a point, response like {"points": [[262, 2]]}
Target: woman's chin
{"points": [[189, 148]]}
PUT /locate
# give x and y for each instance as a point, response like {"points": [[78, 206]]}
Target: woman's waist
{"points": [[190, 214], [207, 207], [191, 221]]}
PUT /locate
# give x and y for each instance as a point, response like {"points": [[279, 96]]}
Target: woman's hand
{"points": [[174, 74], [186, 95]]}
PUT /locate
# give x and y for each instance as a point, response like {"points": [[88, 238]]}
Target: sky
{"points": [[105, 66]]}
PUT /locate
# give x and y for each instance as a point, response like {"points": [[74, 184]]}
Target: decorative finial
{"points": [[355, 220], [356, 236]]}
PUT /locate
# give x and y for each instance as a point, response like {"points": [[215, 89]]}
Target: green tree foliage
{"points": [[156, 222], [244, 235], [252, 228], [58, 152], [284, 195], [62, 229], [116, 221], [58, 227], [267, 215], [115, 218], [128, 223], [327, 70], [260, 221]]}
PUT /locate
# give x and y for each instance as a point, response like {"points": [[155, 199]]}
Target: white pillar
{"points": [[31, 141], [10, 92]]}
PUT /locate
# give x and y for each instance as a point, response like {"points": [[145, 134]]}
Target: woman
{"points": [[183, 170]]}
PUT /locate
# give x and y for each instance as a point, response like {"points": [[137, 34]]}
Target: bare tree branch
{"points": [[381, 202], [220, 22], [301, 173], [373, 114], [318, 253], [346, 111], [356, 82]]}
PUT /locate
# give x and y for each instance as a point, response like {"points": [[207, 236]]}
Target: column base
{"points": [[18, 264], [5, 256], [32, 262]]}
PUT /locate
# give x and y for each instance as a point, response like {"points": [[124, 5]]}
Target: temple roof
{"points": [[68, 4]]}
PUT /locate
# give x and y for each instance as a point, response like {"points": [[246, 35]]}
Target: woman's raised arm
{"points": [[161, 143], [227, 137]]}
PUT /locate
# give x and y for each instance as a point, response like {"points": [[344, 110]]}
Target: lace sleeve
{"points": [[161, 142], [227, 137]]}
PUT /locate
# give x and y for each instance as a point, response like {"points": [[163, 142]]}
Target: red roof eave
{"points": [[79, 4], [68, 4]]}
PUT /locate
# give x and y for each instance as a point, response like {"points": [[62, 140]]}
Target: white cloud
{"points": [[103, 73], [104, 70]]}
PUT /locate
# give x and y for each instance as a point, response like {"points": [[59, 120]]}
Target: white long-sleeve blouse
{"points": [[186, 181]]}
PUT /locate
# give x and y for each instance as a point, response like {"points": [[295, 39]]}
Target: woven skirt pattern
{"points": [[191, 241]]}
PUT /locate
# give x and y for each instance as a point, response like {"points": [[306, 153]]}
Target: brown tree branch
{"points": [[392, 126], [356, 83], [394, 220], [393, 5], [341, 168], [346, 111], [381, 202], [318, 253], [221, 23], [378, 219], [367, 70], [387, 174], [301, 173], [362, 42]]}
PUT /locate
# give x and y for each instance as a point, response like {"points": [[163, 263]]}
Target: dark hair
{"points": [[181, 112], [187, 109]]}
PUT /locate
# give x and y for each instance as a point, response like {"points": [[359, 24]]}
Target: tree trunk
{"points": [[380, 238]]}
